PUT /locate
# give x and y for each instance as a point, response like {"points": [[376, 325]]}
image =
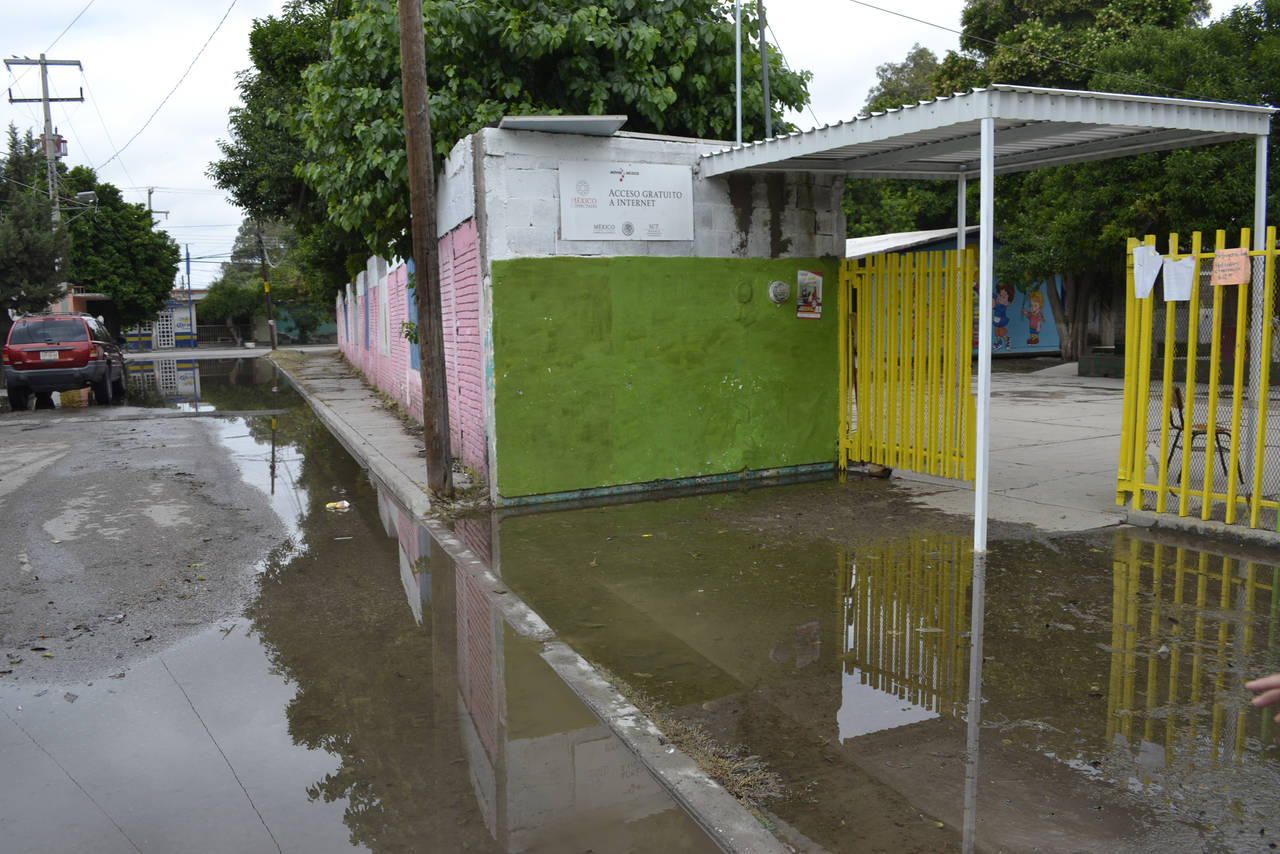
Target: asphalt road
{"points": [[122, 529]]}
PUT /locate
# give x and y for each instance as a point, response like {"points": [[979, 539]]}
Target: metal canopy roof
{"points": [[1034, 128]]}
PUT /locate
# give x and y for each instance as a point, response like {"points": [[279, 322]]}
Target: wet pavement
{"points": [[809, 644], [362, 700]]}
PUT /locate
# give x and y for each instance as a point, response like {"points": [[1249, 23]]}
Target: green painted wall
{"points": [[611, 371]]}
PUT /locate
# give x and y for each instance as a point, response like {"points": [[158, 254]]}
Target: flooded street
{"points": [[809, 644], [825, 629]]}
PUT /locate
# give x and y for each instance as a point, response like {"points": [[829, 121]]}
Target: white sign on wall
{"points": [[603, 200]]}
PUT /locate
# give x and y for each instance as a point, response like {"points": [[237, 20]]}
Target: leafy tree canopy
{"points": [[115, 251], [30, 247], [331, 110], [905, 82]]}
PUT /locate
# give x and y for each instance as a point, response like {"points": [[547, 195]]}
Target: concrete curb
{"points": [[1203, 528]]}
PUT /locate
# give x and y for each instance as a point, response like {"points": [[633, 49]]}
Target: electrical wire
{"points": [[1026, 52], [27, 68], [69, 26], [93, 100], [166, 98], [778, 45]]}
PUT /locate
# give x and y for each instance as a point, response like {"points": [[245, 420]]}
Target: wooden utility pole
{"points": [[422, 208]]}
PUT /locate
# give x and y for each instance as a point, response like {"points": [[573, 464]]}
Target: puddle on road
{"points": [[373, 698], [825, 629]]}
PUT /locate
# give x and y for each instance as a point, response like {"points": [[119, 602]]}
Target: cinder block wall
{"points": [[387, 359]]}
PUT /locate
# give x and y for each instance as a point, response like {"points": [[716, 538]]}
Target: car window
{"points": [[48, 331]]}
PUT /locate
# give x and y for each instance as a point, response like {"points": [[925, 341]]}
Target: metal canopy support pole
{"points": [[1260, 193], [986, 247], [964, 337], [978, 589]]}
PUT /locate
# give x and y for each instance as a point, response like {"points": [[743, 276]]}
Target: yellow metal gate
{"points": [[906, 333], [1197, 393]]}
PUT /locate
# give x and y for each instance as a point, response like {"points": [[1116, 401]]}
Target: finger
{"points": [[1264, 683], [1267, 698]]}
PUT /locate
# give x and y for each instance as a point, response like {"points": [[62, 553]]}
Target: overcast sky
{"points": [[135, 52]]}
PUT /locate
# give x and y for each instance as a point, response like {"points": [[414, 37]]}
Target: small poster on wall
{"points": [[808, 294]]}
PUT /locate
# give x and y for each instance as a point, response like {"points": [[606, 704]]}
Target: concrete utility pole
{"points": [[51, 142], [422, 207], [151, 210]]}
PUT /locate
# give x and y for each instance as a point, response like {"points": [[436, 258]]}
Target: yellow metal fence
{"points": [[1196, 438], [906, 327]]}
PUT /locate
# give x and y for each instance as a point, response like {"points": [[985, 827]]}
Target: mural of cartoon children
{"points": [[1033, 312], [1000, 316]]}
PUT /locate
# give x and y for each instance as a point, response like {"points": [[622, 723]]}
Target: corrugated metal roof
{"points": [[1034, 128]]}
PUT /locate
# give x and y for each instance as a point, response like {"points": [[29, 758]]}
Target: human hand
{"points": [[1268, 690]]}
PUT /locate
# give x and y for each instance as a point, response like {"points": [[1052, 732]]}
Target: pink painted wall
{"points": [[394, 374]]}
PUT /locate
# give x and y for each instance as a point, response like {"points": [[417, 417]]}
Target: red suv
{"points": [[62, 352]]}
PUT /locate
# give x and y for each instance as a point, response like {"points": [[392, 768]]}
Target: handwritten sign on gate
{"points": [[1230, 267]]}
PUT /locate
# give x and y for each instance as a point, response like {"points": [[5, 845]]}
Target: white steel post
{"points": [[986, 251]]}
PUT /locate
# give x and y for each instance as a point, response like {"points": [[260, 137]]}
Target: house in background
{"points": [[173, 328]]}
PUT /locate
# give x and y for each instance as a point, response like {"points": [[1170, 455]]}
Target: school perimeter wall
{"points": [[612, 371], [371, 315], [586, 366]]}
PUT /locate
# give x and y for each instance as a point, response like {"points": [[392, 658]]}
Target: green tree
{"points": [[880, 206], [667, 64], [237, 295], [1073, 220], [905, 82], [115, 251], [260, 161], [30, 247]]}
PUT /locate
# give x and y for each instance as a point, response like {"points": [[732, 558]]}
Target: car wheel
{"points": [[19, 398], [102, 390]]}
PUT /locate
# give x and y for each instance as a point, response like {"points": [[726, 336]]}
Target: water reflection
{"points": [[170, 380], [1189, 627], [1112, 711], [906, 617], [545, 774]]}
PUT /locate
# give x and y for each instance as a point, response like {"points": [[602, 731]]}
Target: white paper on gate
{"points": [[1177, 279], [1146, 264]]}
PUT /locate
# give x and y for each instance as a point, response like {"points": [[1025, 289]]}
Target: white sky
{"points": [[135, 51]]}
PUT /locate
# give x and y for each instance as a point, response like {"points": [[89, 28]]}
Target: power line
{"points": [[1031, 53], [69, 26], [787, 65], [93, 99], [194, 59]]}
